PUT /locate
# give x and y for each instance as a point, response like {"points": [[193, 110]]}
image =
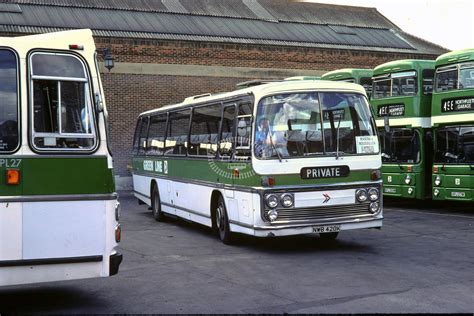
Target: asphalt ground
{"points": [[421, 261]]}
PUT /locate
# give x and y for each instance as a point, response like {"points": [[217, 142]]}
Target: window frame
{"points": [[325, 152], [90, 105], [150, 118], [18, 94], [194, 108]]}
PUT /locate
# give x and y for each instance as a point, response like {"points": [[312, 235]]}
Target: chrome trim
{"points": [[286, 225], [198, 182], [185, 210], [58, 198], [323, 214]]}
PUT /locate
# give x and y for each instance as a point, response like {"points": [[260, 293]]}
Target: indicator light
{"points": [[13, 177]]}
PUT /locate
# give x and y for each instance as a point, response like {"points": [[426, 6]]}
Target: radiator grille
{"points": [[323, 213]]}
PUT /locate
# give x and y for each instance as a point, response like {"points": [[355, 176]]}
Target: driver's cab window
{"points": [[61, 104], [244, 130]]}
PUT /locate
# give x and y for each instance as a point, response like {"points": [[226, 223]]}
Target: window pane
{"points": [[455, 145], [57, 66], [288, 125], [76, 116], [136, 138], [428, 78], [226, 145], [367, 84], [406, 86], [466, 78], [177, 135], [401, 145], [381, 89], [204, 130], [447, 80], [45, 106], [143, 136], [8, 101], [156, 135]]}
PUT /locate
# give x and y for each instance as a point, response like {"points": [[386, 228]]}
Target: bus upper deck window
{"points": [[62, 106]]}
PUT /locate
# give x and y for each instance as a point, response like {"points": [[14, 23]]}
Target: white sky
{"points": [[449, 23]]}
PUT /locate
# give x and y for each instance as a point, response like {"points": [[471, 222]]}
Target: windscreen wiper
{"points": [[337, 137], [274, 147]]}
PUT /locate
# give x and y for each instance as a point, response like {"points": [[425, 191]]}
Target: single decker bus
{"points": [[59, 215], [284, 158], [453, 127], [401, 101]]}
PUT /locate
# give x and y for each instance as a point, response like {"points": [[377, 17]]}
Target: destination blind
{"points": [[457, 105]]}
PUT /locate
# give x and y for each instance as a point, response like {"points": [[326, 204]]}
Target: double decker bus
{"points": [[453, 127], [59, 215], [286, 158], [354, 75], [401, 100]]}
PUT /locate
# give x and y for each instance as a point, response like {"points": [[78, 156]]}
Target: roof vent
{"points": [[10, 8], [194, 97]]}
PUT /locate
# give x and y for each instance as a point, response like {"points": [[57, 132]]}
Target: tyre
{"points": [[328, 236], [222, 222], [156, 204]]}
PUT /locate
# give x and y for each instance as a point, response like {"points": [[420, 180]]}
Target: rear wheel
{"points": [[222, 222], [328, 236], [156, 204]]}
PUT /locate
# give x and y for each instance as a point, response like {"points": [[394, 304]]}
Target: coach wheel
{"points": [[328, 236], [222, 222], [156, 204]]}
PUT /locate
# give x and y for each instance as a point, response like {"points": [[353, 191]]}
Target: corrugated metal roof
{"points": [[236, 21], [280, 10], [168, 23]]}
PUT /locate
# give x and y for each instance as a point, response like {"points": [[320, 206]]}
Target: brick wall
{"points": [[127, 95]]}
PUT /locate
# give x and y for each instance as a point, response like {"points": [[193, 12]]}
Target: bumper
{"points": [[289, 230], [114, 263]]}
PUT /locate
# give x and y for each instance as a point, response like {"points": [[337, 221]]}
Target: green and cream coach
{"points": [[285, 158]]}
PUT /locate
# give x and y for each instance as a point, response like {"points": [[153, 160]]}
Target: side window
{"points": [[156, 135], [136, 138], [226, 144], [244, 130], [177, 133], [204, 130], [367, 84], [9, 101], [428, 77], [61, 104], [142, 146]]}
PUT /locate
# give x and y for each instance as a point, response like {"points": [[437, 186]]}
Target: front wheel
{"points": [[156, 205], [222, 222]]}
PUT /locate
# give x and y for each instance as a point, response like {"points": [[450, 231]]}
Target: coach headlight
{"points": [[271, 200], [361, 195], [436, 192], [437, 181], [287, 200], [374, 207], [272, 215], [410, 191], [374, 194], [407, 179]]}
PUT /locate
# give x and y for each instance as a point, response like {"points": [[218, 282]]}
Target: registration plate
{"points": [[327, 229]]}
